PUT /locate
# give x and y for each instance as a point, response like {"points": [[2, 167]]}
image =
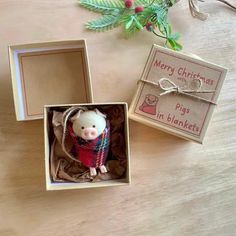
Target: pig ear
{"points": [[76, 116], [99, 113]]}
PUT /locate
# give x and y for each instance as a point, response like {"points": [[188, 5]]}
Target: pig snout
{"points": [[89, 133]]}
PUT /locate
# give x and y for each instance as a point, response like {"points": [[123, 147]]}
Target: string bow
{"points": [[168, 86]]}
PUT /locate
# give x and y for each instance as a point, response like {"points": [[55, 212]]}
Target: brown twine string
{"points": [[227, 3], [175, 89], [66, 117], [195, 11]]}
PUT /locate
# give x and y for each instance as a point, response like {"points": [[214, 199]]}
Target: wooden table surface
{"points": [[178, 187]]}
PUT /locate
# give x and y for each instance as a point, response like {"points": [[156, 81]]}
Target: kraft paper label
{"points": [[184, 114]]}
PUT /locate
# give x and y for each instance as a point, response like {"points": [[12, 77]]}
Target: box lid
{"points": [[49, 73], [177, 93]]}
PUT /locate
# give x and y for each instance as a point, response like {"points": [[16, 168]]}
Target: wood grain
{"points": [[178, 187]]}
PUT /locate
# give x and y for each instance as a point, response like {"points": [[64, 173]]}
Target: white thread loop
{"points": [[169, 86]]}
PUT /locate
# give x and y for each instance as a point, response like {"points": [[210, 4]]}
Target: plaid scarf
{"points": [[92, 153]]}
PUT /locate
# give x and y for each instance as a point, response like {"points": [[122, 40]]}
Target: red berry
{"points": [[149, 26], [139, 9], [128, 3]]}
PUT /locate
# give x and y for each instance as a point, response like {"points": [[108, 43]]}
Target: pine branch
{"points": [[152, 16], [102, 6], [104, 23], [142, 2]]}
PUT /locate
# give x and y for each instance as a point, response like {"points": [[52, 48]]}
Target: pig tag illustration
{"points": [[149, 104]]}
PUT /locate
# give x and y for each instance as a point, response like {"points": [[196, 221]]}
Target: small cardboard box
{"points": [[177, 93], [48, 132], [49, 73], [57, 73]]}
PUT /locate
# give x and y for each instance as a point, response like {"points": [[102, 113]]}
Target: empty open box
{"points": [[49, 73]]}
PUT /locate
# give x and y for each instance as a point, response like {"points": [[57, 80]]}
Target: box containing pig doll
{"points": [[92, 154], [86, 145], [177, 93], [49, 73]]}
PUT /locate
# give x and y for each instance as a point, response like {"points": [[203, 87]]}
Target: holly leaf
{"points": [[129, 23], [174, 45], [138, 24], [175, 36]]}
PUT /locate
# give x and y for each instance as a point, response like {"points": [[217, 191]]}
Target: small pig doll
{"points": [[90, 132]]}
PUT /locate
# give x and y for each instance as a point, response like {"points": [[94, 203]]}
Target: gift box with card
{"points": [[177, 93], [51, 80]]}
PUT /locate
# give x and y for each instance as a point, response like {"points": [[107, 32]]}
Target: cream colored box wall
{"points": [[49, 73], [50, 185]]}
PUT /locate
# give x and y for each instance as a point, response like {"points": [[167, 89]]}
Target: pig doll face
{"points": [[89, 124]]}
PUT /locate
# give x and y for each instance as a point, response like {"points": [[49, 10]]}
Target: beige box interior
{"points": [[49, 73], [50, 185]]}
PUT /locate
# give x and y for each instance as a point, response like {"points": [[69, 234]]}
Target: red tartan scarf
{"points": [[92, 153]]}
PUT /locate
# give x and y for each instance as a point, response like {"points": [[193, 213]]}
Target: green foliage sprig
{"points": [[134, 15]]}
